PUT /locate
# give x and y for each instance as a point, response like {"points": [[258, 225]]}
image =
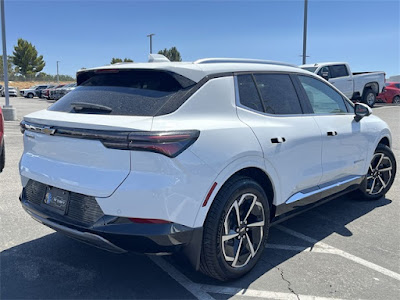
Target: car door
{"points": [[340, 78], [344, 142], [291, 142]]}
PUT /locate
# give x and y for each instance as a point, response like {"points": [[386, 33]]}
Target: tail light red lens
{"points": [[170, 143]]}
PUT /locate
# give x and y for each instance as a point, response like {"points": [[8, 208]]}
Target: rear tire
{"points": [[30, 95], [239, 214], [396, 100], [369, 97], [381, 174]]}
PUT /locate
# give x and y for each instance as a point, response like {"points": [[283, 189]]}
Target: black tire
{"points": [[30, 95], [369, 97], [396, 100], [364, 192], [2, 157], [212, 260]]}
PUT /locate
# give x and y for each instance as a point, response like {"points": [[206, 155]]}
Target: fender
{"points": [[384, 133], [232, 168]]}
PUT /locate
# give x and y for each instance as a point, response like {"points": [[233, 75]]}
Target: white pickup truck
{"points": [[361, 86]]}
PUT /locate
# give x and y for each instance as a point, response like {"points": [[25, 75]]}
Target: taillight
{"points": [[170, 143]]}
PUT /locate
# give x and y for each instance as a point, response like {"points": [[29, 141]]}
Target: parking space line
{"points": [[260, 294], [332, 250], [191, 286]]}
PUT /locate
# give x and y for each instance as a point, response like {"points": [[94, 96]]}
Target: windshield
{"points": [[127, 92], [311, 69]]}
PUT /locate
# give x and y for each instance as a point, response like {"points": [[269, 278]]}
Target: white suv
{"points": [[197, 157]]}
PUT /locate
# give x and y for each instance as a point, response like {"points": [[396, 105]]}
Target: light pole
{"points": [[9, 113], [151, 42], [305, 32], [58, 79]]}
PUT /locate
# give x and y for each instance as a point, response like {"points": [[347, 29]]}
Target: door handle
{"points": [[331, 133], [278, 140]]}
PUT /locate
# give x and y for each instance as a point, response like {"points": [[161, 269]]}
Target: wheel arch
{"points": [[253, 167], [374, 86]]}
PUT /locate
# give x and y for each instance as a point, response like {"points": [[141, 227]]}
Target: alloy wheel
{"points": [[243, 230], [370, 99], [379, 173]]}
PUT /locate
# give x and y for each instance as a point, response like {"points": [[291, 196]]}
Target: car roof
{"points": [[204, 67], [323, 64]]}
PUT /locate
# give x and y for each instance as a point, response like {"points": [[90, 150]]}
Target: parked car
{"points": [[2, 147], [390, 93], [46, 92], [40, 93], [33, 91], [60, 92], [12, 92], [197, 157], [360, 86]]}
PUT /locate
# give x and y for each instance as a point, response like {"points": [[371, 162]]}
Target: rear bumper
{"points": [[117, 234]]}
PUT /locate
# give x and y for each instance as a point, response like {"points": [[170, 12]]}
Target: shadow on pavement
{"points": [[55, 266]]}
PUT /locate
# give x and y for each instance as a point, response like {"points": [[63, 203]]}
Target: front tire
{"points": [[381, 174], [30, 95], [2, 157], [235, 230], [369, 98]]}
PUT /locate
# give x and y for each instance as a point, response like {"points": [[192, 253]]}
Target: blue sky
{"points": [[89, 33]]}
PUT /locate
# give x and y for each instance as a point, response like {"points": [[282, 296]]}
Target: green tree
{"points": [[10, 68], [116, 60], [26, 59], [172, 54]]}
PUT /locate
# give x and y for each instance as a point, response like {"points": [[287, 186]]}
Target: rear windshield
{"points": [[311, 69], [126, 92]]}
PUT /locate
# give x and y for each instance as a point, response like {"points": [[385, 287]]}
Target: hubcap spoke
{"points": [[380, 161], [229, 236], [382, 181], [256, 224], [253, 253], [234, 264], [373, 185], [236, 206], [251, 208], [385, 169]]}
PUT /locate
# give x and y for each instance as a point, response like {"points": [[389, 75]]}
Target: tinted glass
{"points": [[323, 99], [248, 93], [127, 92], [397, 85], [278, 94], [324, 70], [311, 69], [338, 71]]}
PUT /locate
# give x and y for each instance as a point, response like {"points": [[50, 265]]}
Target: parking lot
{"points": [[344, 249]]}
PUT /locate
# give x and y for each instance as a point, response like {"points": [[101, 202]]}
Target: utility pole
{"points": [[9, 113], [305, 32], [58, 79], [151, 42]]}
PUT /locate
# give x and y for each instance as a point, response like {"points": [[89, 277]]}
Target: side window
{"points": [[397, 85], [278, 94], [338, 71], [248, 93], [323, 99]]}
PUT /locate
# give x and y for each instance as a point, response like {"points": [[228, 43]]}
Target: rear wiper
{"points": [[79, 106]]}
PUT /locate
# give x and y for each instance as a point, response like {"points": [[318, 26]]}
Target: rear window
{"points": [[310, 69], [126, 92]]}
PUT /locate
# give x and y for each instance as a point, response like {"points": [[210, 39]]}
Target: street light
{"points": [[151, 42], [58, 79], [305, 32], [9, 112]]}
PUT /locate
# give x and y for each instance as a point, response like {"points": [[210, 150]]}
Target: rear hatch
{"points": [[79, 144]]}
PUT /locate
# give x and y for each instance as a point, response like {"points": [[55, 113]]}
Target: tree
{"points": [[172, 54], [9, 69], [116, 60], [26, 59]]}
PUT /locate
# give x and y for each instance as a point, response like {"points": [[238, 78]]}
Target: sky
{"points": [[87, 33]]}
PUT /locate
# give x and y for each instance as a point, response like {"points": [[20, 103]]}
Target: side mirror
{"points": [[361, 110], [325, 75]]}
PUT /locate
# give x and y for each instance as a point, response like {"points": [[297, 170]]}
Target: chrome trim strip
{"points": [[300, 195]]}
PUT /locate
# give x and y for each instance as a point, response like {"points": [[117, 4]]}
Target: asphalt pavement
{"points": [[344, 249]]}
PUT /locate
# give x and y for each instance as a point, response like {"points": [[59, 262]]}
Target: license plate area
{"points": [[56, 200]]}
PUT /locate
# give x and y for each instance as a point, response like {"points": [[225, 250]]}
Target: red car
{"points": [[390, 93], [2, 152], [46, 92]]}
